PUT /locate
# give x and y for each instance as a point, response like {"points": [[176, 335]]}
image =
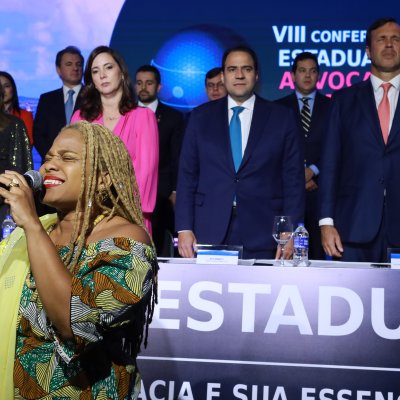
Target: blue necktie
{"points": [[235, 132], [69, 105]]}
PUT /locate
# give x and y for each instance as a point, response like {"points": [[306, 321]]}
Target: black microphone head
{"points": [[34, 179]]}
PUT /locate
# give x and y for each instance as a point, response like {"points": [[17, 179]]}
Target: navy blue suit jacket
{"points": [[269, 182], [358, 169], [49, 119], [313, 141], [170, 128]]}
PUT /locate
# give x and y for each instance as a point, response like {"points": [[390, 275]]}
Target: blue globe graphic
{"points": [[183, 62]]}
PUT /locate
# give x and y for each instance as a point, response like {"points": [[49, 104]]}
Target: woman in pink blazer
{"points": [[108, 99]]}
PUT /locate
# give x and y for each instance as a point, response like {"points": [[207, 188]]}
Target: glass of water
{"points": [[282, 231]]}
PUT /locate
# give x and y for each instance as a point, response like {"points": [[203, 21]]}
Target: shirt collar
{"points": [[311, 96], [248, 104], [377, 82], [153, 105], [76, 89]]}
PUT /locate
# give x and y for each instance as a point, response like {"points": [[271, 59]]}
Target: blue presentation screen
{"points": [[185, 43], [186, 39]]}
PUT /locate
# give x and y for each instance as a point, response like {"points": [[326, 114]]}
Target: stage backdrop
{"points": [[184, 40], [184, 43]]}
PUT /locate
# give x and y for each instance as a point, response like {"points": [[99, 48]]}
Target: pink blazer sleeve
{"points": [[144, 154]]}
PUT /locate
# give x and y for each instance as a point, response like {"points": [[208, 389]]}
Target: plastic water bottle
{"points": [[7, 226], [300, 246]]}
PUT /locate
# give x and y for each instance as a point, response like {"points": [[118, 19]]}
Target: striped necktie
{"points": [[305, 115]]}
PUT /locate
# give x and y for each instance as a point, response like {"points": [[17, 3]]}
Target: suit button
{"points": [[381, 181], [236, 180]]}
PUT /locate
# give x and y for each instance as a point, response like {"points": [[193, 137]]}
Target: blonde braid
{"points": [[103, 153]]}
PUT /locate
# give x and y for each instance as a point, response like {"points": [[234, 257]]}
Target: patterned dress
{"points": [[111, 288]]}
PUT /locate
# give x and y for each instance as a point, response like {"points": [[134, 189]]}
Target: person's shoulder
{"points": [[352, 90], [135, 232], [165, 109], [261, 100], [286, 99], [211, 106], [141, 113], [322, 97], [50, 98], [52, 93], [140, 110], [120, 227], [262, 105], [16, 125], [16, 120]]}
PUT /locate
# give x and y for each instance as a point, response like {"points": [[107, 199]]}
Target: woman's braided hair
{"points": [[103, 153]]}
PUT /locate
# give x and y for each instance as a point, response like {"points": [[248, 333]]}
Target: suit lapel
{"points": [[222, 125], [316, 114], [60, 107], [367, 101], [294, 105], [394, 130], [258, 121]]}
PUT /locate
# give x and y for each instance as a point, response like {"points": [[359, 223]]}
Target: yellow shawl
{"points": [[14, 266]]}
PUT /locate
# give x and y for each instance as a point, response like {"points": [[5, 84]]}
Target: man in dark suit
{"points": [[170, 129], [360, 179], [312, 122], [227, 196], [53, 106]]}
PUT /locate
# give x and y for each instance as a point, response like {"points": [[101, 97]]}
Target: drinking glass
{"points": [[282, 231]]}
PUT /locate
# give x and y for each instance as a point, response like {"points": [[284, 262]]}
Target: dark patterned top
{"points": [[111, 287], [15, 152]]}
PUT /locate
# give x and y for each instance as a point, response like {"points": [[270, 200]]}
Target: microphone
{"points": [[34, 180]]}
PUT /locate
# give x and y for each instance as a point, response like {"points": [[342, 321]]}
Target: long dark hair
{"points": [[91, 106], [4, 118], [14, 102]]}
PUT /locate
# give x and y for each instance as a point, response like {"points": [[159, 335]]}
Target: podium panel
{"points": [[269, 332]]}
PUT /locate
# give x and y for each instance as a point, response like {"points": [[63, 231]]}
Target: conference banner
{"points": [[273, 333]]}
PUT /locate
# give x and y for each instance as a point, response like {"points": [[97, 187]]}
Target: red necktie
{"points": [[384, 111]]}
